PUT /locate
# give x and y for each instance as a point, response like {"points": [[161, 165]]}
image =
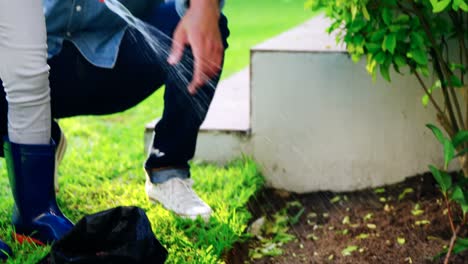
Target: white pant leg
{"points": [[24, 70]]}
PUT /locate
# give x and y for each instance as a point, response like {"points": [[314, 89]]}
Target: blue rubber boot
{"points": [[36, 217], [5, 251]]}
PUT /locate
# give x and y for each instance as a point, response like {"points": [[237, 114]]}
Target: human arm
{"points": [[199, 29], [24, 70]]}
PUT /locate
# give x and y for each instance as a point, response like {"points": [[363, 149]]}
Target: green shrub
{"points": [[410, 37]]}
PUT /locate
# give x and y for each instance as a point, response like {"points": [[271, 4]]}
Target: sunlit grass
{"points": [[253, 21], [103, 164]]}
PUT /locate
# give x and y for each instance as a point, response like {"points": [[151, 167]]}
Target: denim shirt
{"points": [[92, 27]]}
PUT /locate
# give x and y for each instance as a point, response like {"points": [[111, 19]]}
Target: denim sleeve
{"points": [[181, 6]]}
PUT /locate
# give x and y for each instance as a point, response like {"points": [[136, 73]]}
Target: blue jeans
{"points": [[80, 88]]}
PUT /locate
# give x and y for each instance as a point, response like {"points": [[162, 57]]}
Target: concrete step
{"points": [[224, 133]]}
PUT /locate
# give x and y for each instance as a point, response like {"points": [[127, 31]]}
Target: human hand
{"points": [[199, 29]]}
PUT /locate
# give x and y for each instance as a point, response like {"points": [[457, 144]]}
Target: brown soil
{"points": [[322, 239]]}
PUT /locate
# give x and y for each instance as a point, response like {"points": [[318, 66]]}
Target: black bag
{"points": [[119, 235]]}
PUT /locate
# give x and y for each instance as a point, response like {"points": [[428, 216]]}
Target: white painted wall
{"points": [[320, 123]]}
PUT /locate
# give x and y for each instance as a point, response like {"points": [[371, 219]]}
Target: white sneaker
{"points": [[178, 196]]}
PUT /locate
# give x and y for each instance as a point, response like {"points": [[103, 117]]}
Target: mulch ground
{"points": [[401, 223]]}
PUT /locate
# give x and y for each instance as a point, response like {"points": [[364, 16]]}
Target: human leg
{"points": [[36, 214], [176, 133], [25, 84]]}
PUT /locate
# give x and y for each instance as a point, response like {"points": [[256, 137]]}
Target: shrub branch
{"points": [[440, 114], [442, 70], [452, 244]]}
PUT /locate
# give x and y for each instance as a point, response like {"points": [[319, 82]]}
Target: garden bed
{"points": [[401, 223]]}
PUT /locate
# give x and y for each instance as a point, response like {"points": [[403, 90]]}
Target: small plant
{"points": [[455, 192], [275, 232]]}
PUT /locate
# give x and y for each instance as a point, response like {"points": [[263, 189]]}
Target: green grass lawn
{"points": [[253, 21], [103, 165]]}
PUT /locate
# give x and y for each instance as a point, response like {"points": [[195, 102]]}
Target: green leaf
{"points": [[359, 44], [357, 25], [380, 57], [440, 6], [456, 66], [460, 138], [385, 71], [437, 133], [365, 13], [460, 245], [464, 6], [440, 255], [379, 190], [462, 241], [395, 28], [295, 219], [334, 26], [371, 64], [403, 18], [422, 222], [425, 100], [354, 11], [417, 39], [349, 250], [417, 210], [358, 40], [455, 81], [401, 240], [363, 236], [399, 60], [397, 69], [404, 193], [420, 56], [387, 16], [449, 152], [423, 70], [459, 197], [389, 43], [390, 3], [437, 85], [373, 47], [378, 35], [459, 4], [356, 57], [443, 179]]}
